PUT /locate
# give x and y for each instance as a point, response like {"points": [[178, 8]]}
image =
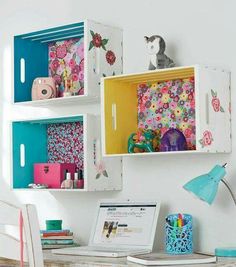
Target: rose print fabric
{"points": [[99, 42], [110, 57], [65, 143], [207, 139], [168, 104], [66, 62], [216, 102]]}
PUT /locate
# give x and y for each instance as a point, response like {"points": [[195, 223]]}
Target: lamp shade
{"points": [[205, 186]]}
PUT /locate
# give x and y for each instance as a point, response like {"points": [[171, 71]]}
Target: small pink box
{"points": [[52, 174]]}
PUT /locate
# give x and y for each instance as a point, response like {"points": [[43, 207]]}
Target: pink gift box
{"points": [[52, 174]]}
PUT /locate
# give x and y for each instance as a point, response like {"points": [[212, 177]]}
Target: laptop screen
{"points": [[127, 224]]}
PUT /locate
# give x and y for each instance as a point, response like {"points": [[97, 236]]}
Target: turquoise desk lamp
{"points": [[205, 187]]}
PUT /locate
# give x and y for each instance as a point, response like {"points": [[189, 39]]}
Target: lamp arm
{"points": [[229, 188]]}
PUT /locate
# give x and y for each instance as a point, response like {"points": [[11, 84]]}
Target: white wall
{"points": [[200, 31]]}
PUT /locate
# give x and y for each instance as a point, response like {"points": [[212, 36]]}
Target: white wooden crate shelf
{"points": [[203, 118]]}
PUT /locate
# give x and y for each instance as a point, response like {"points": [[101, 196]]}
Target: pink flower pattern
{"points": [[67, 55], [100, 166], [101, 169], [80, 51], [168, 104], [207, 139], [110, 57], [61, 51], [216, 102], [52, 55], [65, 143]]}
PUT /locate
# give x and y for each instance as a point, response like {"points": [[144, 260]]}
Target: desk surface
{"points": [[52, 260]]}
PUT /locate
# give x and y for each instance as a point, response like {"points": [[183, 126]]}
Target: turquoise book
{"points": [[54, 231], [56, 242]]}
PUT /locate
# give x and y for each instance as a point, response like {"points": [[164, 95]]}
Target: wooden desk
{"points": [[52, 260]]}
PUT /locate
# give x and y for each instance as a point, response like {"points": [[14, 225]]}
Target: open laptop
{"points": [[121, 228]]}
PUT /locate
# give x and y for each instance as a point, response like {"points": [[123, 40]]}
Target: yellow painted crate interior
{"points": [[121, 104]]}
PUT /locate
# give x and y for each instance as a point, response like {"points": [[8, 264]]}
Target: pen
{"points": [[180, 220], [175, 223]]}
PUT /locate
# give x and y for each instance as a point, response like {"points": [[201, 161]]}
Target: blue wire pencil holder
{"points": [[179, 239]]}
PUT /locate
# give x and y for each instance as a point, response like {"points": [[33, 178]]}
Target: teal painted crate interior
{"points": [[34, 137], [32, 49]]}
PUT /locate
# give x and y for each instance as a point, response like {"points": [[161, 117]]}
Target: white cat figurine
{"points": [[156, 49]]}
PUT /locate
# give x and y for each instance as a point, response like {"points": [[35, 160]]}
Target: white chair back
{"points": [[11, 247]]}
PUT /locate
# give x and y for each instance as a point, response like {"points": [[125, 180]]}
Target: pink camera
{"points": [[43, 88]]}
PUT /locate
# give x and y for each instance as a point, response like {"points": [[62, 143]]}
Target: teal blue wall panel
{"points": [[34, 137], [35, 55]]}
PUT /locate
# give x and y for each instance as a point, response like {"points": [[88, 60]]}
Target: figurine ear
{"points": [[146, 38], [162, 45]]}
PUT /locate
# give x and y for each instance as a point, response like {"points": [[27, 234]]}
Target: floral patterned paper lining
{"points": [[168, 104], [65, 143], [66, 61]]}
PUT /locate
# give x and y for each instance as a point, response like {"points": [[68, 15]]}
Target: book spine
{"points": [[57, 246], [54, 231], [57, 242], [57, 237], [57, 234]]}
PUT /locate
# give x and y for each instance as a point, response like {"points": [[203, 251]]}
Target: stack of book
{"points": [[56, 239]]}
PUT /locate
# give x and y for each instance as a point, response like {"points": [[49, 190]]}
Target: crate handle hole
{"points": [[22, 70], [22, 155], [113, 114], [207, 108]]}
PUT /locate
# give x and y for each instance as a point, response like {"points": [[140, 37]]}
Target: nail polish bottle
{"points": [[63, 182], [67, 183], [76, 177], [80, 182]]}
